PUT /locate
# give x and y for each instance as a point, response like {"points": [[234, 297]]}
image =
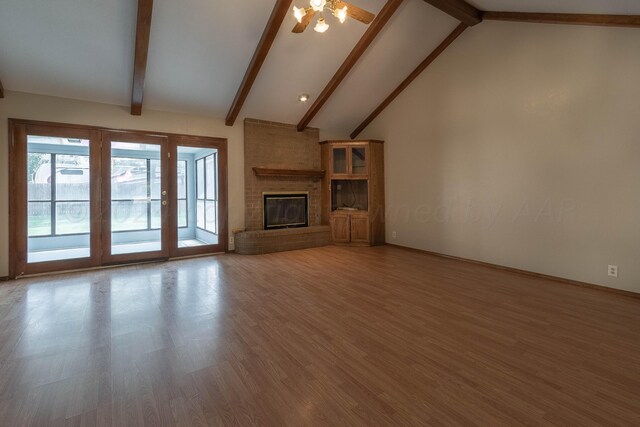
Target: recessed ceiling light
{"points": [[303, 97]]}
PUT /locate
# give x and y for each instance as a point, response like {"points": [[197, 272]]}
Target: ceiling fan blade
{"points": [[356, 13], [306, 20]]}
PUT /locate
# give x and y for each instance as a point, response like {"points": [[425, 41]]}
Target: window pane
{"points": [[339, 160], [72, 217], [358, 160], [182, 179], [39, 176], [128, 178], [211, 216], [156, 179], [126, 216], [200, 214], [135, 146], [156, 215], [39, 219], [211, 178], [182, 213], [200, 173], [72, 177]]}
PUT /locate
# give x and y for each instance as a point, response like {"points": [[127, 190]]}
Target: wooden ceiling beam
{"points": [[365, 41], [1, 90], [566, 18], [414, 74], [143, 31], [459, 9], [278, 14]]}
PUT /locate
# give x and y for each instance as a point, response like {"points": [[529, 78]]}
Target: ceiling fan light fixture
{"points": [[299, 13], [321, 26], [318, 5], [341, 14]]}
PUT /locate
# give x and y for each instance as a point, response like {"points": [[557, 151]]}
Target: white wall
{"points": [[36, 107], [520, 146]]}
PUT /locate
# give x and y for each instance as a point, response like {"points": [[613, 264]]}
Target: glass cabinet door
{"points": [[339, 160], [359, 160]]}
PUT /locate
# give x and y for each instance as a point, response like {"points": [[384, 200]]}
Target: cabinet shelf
{"points": [[314, 174]]}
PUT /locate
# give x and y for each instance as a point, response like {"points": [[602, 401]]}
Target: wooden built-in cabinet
{"points": [[353, 191]]}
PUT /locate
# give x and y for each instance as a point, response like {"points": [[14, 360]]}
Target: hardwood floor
{"points": [[328, 336]]}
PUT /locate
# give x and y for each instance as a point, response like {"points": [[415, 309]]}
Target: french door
{"points": [[135, 194], [85, 197]]}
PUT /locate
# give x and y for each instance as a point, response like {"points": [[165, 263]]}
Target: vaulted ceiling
{"points": [[199, 51]]}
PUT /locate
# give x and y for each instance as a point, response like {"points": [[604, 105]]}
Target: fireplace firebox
{"points": [[285, 210]]}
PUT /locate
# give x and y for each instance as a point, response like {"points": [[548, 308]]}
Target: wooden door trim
{"points": [[108, 138], [111, 129], [18, 198], [17, 213], [219, 144], [17, 177]]}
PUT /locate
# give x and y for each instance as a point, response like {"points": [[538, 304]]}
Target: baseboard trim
{"points": [[4, 278], [523, 272]]}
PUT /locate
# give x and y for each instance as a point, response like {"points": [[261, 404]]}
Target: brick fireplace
{"points": [[280, 160]]}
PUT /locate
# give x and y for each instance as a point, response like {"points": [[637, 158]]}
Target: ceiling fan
{"points": [[339, 9]]}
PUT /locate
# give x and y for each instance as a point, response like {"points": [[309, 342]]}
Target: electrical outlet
{"points": [[231, 240], [613, 271], [394, 234]]}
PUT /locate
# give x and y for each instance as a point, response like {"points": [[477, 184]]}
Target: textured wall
{"points": [[520, 146], [279, 146]]}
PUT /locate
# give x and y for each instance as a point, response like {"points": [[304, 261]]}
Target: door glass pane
{"points": [[39, 219], [211, 178], [211, 214], [182, 179], [136, 214], [156, 179], [339, 160], [129, 180], [73, 218], [358, 160], [58, 191], [200, 213], [200, 172], [156, 214], [39, 176], [196, 193], [129, 215], [182, 213], [72, 177]]}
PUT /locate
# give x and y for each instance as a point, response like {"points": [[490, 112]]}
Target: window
{"points": [[135, 194], [58, 194], [183, 221], [207, 193]]}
